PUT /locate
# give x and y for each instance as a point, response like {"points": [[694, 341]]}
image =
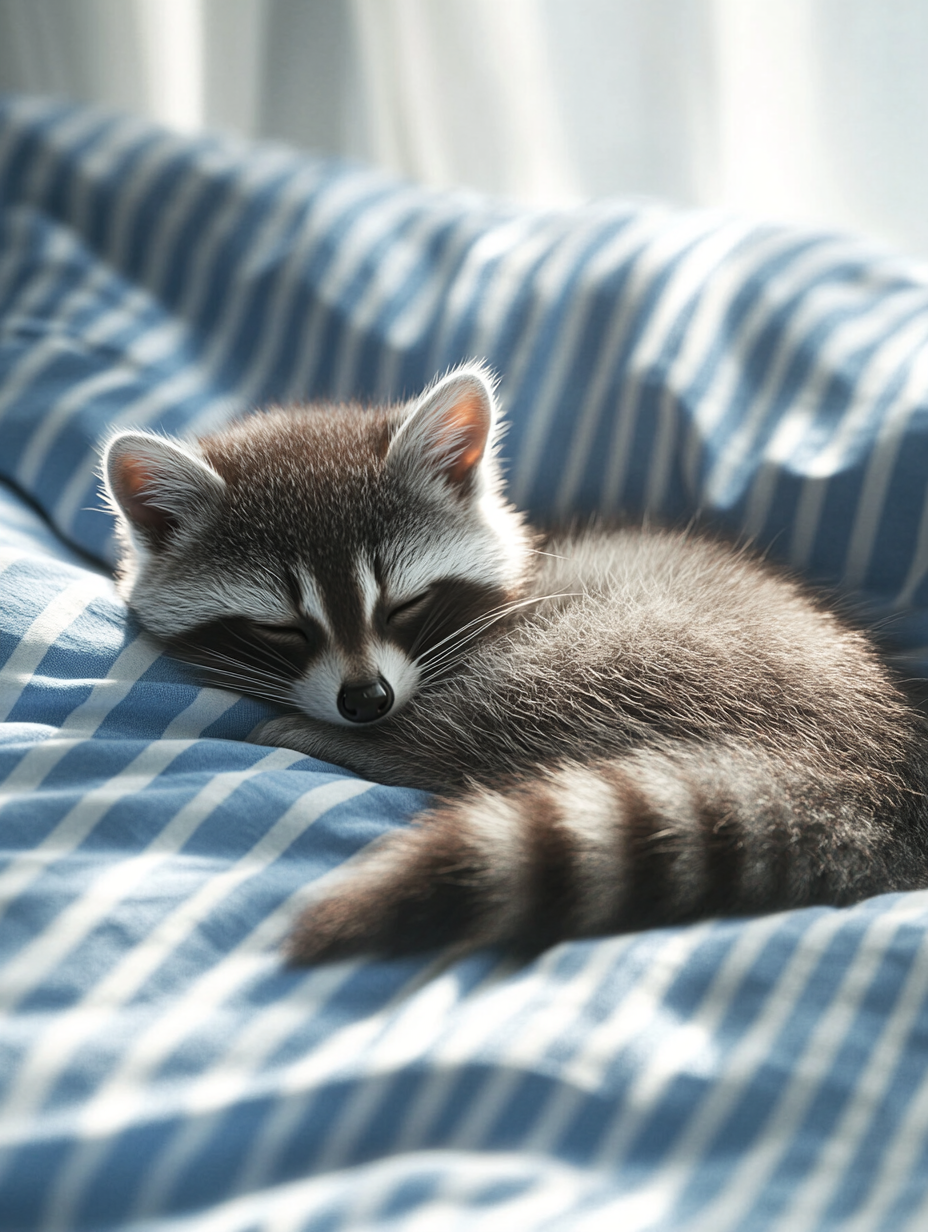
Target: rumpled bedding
{"points": [[160, 1067]]}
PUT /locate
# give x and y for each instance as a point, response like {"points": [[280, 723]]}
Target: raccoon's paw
{"points": [[291, 731], [368, 753]]}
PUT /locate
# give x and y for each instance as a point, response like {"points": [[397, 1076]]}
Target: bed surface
{"points": [[159, 1068]]}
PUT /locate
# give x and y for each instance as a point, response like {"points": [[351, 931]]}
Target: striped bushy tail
{"points": [[654, 837]]}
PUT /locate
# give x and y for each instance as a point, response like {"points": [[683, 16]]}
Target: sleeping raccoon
{"points": [[626, 728]]}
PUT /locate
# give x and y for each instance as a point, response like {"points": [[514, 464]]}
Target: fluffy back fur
{"points": [[628, 727]]}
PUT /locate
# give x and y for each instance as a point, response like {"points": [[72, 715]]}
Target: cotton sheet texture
{"points": [[159, 1067]]}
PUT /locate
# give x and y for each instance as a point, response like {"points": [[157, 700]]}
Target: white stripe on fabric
{"points": [[295, 1086], [812, 313], [403, 257], [500, 236], [563, 278], [148, 348], [73, 298], [215, 165], [43, 632], [81, 818], [715, 299], [106, 1112], [414, 1033], [667, 244], [269, 238], [605, 260], [901, 1155], [479, 1023], [59, 140], [190, 380], [904, 342], [90, 167], [230, 1080], [232, 1076], [114, 882], [663, 1185], [681, 289], [155, 344], [131, 663], [411, 322], [58, 340], [880, 463], [846, 338], [551, 1186], [747, 1180], [23, 113], [151, 346], [133, 194], [512, 270], [60, 301], [572, 271], [826, 1180], [294, 182], [125, 135], [114, 1105], [460, 1201], [803, 270], [124, 1095], [372, 225], [22, 251], [417, 1032], [656, 1072], [322, 210], [559, 1015]]}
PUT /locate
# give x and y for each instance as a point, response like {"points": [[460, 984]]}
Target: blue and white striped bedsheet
{"points": [[158, 1068]]}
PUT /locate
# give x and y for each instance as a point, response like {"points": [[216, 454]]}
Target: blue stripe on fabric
{"points": [[829, 1100], [295, 339], [545, 481]]}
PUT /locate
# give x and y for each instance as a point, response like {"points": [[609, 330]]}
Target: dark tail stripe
{"points": [[644, 852], [551, 889]]}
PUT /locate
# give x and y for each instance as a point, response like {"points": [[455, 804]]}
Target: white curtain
{"points": [[809, 110]]}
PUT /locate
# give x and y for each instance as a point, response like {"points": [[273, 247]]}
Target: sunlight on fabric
{"points": [[822, 1184], [42, 633]]}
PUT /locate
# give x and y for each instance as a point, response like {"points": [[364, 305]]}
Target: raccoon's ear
{"points": [[158, 484], [449, 428]]}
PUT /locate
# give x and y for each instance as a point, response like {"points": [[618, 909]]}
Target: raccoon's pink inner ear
{"points": [[158, 484], [134, 486], [462, 436], [450, 427]]}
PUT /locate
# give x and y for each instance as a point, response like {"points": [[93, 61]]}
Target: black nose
{"points": [[362, 703]]}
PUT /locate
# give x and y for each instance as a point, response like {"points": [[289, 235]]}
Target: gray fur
{"points": [[628, 727]]}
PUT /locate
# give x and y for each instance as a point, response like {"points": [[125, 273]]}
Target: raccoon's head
{"points": [[331, 558]]}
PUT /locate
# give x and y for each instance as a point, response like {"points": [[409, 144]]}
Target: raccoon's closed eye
{"points": [[409, 607], [291, 634]]}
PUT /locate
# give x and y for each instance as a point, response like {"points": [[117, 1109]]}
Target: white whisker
{"points": [[467, 633]]}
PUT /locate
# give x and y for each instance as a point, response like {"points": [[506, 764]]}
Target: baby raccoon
{"points": [[626, 728]]}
